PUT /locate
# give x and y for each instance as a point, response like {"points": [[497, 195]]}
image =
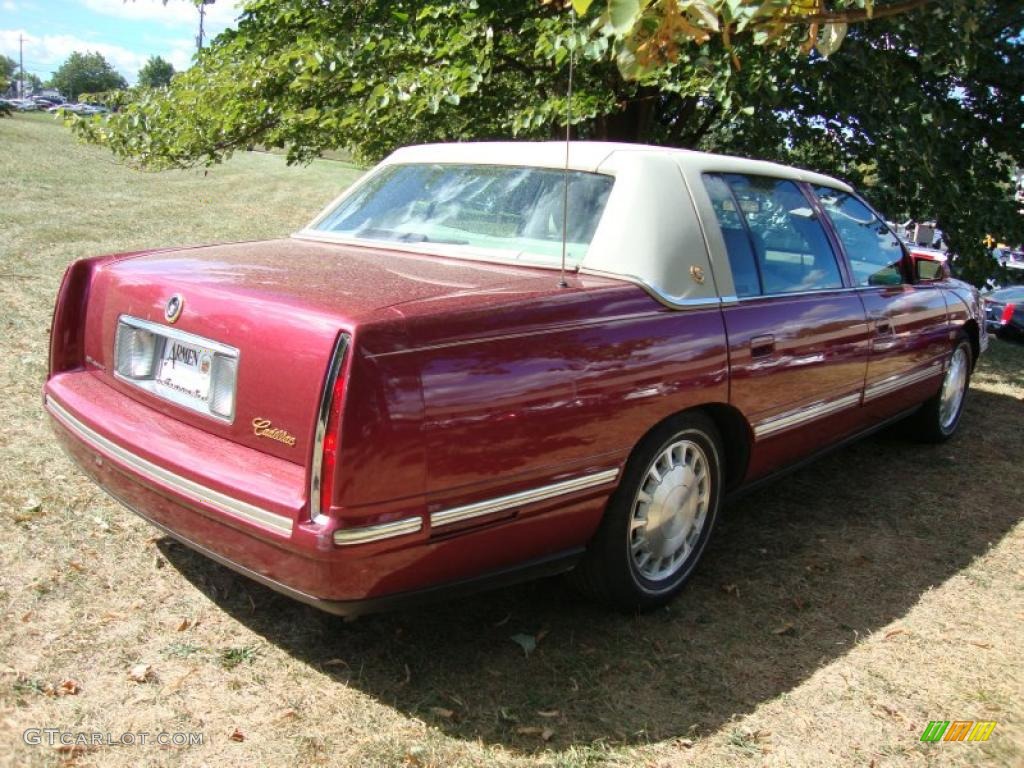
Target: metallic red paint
{"points": [[464, 381]]}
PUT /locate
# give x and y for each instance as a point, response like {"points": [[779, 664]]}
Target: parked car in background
{"points": [[79, 109], [1012, 259], [1004, 310], [477, 366]]}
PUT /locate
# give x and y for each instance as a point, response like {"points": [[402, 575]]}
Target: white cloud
{"points": [[9, 6], [180, 54], [47, 52], [177, 12]]}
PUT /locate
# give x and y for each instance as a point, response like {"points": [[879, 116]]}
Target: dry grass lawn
{"points": [[837, 612]]}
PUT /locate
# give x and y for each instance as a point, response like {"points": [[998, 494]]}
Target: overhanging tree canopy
{"points": [[922, 108]]}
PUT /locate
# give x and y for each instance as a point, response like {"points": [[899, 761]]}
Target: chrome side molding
{"points": [[348, 536], [502, 503], [803, 415], [901, 380], [182, 485]]}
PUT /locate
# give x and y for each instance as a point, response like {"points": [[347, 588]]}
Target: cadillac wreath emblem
{"points": [[173, 309]]}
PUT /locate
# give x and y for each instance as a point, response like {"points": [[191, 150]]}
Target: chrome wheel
{"points": [[669, 510], [954, 385]]}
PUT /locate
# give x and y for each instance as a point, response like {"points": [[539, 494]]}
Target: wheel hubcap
{"points": [[953, 388], [669, 510]]}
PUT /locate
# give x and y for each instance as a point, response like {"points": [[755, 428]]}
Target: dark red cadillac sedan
{"points": [[412, 397]]}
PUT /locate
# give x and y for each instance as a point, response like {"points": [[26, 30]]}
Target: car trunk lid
{"points": [[280, 305]]}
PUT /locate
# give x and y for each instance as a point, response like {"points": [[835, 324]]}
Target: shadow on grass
{"points": [[795, 573]]}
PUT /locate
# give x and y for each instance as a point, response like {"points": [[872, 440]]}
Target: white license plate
{"points": [[185, 369]]}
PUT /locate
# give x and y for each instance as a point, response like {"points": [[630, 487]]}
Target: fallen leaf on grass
{"points": [[548, 712], [76, 566], [185, 624], [335, 663], [68, 687], [71, 751], [731, 589], [891, 711], [447, 714], [30, 509], [893, 632], [979, 644], [177, 682], [237, 735], [527, 642], [547, 734], [141, 673], [685, 743], [785, 629], [287, 714], [415, 754]]}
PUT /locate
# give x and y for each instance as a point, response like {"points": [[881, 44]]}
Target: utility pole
{"points": [[202, 18], [21, 66]]}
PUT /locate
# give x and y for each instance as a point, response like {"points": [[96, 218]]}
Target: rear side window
{"points": [[774, 240], [874, 251], [745, 276]]}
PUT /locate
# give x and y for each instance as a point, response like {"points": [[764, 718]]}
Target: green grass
{"points": [[65, 200], [836, 612]]}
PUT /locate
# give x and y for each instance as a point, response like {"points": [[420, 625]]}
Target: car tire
{"points": [[659, 519], [939, 417]]}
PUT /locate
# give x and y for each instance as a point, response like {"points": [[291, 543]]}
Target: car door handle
{"points": [[882, 325], [762, 346]]}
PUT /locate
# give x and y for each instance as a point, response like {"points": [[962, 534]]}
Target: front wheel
{"points": [[660, 518], [940, 415]]}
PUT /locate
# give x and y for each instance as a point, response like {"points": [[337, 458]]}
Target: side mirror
{"points": [[928, 268]]}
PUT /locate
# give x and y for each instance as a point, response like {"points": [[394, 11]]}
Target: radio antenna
{"points": [[568, 136]]}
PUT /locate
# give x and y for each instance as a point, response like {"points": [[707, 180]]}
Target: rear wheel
{"points": [[939, 417], [660, 518]]}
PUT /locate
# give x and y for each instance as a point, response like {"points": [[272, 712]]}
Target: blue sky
{"points": [[126, 33]]}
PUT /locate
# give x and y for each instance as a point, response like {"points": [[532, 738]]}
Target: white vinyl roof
{"points": [[658, 229], [590, 156]]}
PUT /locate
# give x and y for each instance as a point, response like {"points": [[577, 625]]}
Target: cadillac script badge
{"points": [[263, 428]]}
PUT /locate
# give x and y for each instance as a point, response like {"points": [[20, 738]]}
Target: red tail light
{"points": [[328, 432], [1007, 314], [67, 330], [331, 445]]}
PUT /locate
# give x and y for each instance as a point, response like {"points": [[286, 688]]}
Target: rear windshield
{"points": [[511, 209]]}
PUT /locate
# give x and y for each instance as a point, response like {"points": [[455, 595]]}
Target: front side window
{"points": [[784, 248], [514, 210], [875, 253]]}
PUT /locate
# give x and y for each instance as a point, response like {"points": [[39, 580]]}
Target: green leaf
{"points": [[623, 14], [581, 6], [830, 38]]}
